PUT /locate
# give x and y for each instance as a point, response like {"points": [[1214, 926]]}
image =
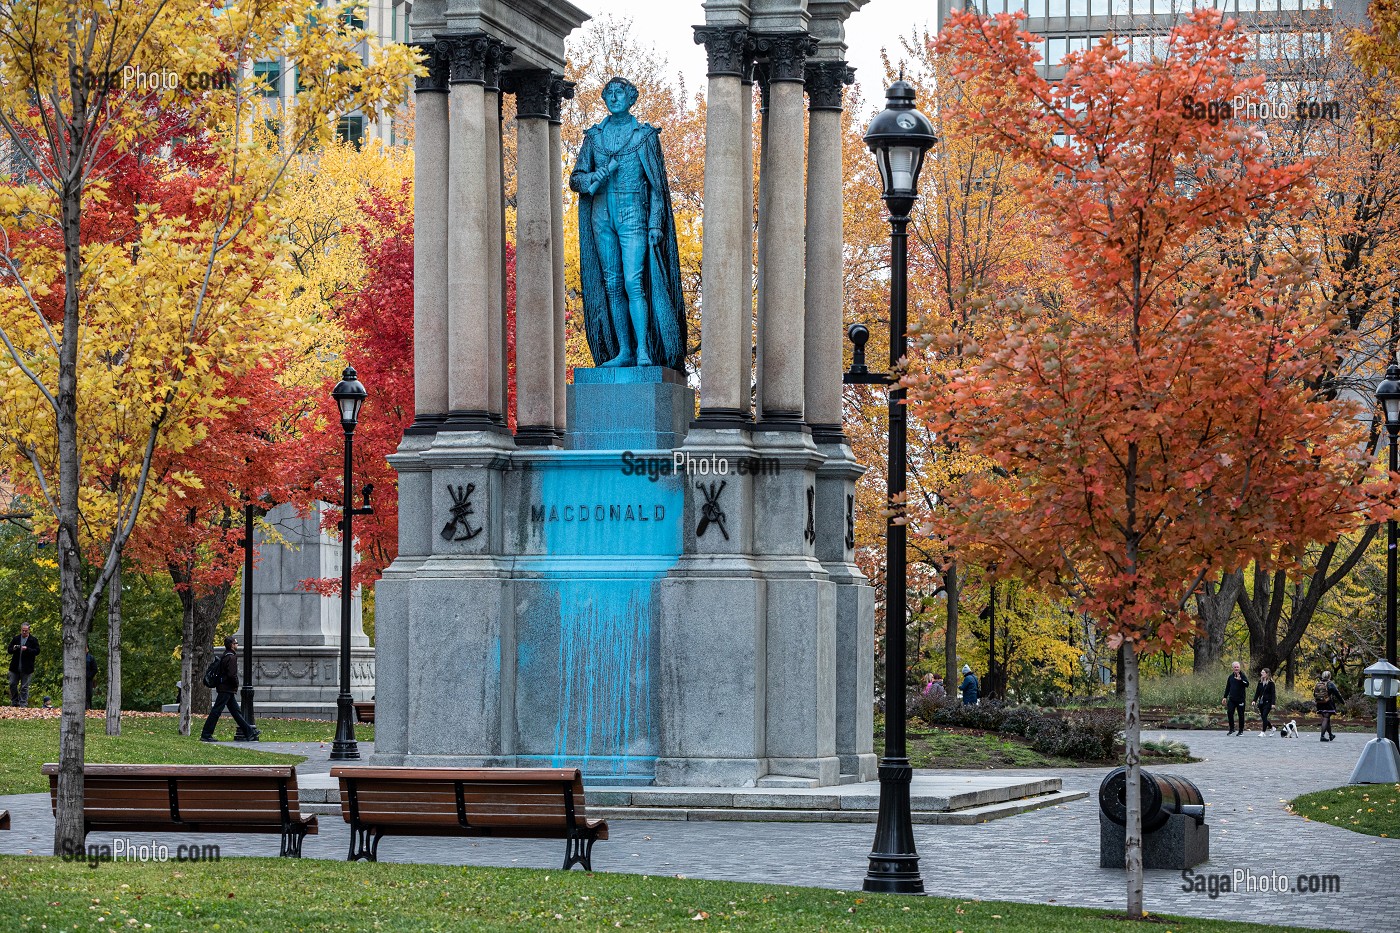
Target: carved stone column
{"points": [[724, 323], [826, 82], [559, 91], [430, 358], [497, 57], [782, 256], [471, 359], [534, 259]]}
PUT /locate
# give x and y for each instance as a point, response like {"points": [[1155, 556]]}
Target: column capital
{"points": [[726, 48], [560, 90], [434, 59], [532, 92], [826, 84], [786, 53], [473, 57]]}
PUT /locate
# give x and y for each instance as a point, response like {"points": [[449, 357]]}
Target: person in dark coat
{"points": [[1327, 696], [969, 687], [1236, 695], [91, 676], [226, 694], [1264, 698], [24, 649]]}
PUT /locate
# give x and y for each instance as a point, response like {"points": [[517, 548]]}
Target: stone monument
{"points": [[296, 633], [623, 585]]}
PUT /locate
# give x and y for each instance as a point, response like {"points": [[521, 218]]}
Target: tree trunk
{"points": [[114, 652], [1267, 609], [187, 668], [1132, 747], [1120, 675], [1214, 606], [201, 621], [990, 687], [950, 638]]}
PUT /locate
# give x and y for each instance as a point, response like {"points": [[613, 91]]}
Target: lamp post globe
{"points": [[349, 394], [899, 136], [1388, 394]]}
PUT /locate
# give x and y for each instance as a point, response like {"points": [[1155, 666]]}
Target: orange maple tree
{"points": [[1155, 424]]}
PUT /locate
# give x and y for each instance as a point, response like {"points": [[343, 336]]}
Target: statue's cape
{"points": [[666, 333]]}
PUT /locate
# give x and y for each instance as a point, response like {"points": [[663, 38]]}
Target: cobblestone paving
{"points": [[1046, 856]]}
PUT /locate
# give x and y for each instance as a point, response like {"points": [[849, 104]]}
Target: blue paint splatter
{"points": [[601, 574]]}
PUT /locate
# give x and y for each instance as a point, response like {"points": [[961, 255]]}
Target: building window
{"points": [[1057, 7], [271, 75], [351, 129]]}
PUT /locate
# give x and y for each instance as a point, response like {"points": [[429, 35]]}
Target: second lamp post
{"points": [[349, 395], [899, 136], [1388, 392]]}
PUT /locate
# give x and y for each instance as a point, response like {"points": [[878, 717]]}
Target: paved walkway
{"points": [[1047, 856]]}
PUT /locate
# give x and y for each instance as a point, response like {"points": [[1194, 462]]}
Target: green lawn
{"points": [[25, 744], [314, 895], [1373, 809]]}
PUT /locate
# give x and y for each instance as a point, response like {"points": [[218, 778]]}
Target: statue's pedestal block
{"points": [[628, 408], [605, 608]]}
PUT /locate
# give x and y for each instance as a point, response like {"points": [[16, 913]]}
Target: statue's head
{"points": [[619, 95]]}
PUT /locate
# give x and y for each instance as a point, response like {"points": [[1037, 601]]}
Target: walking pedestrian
{"points": [[1264, 698], [934, 689], [24, 649], [226, 694], [969, 687], [1326, 696], [1236, 695]]}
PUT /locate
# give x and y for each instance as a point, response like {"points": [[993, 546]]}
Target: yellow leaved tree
{"points": [[118, 313]]}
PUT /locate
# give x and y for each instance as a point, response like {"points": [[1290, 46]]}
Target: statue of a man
{"points": [[633, 311]]}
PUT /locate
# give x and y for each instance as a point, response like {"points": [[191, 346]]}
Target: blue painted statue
{"points": [[633, 311]]}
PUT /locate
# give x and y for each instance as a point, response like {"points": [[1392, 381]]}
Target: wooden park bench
{"points": [[534, 803], [364, 712], [192, 799]]}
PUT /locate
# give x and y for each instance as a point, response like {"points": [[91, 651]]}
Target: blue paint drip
{"points": [[604, 703]]}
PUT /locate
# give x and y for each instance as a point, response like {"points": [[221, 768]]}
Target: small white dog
{"points": [[1289, 731]]}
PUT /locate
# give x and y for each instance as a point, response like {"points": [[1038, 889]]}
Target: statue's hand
{"points": [[654, 237]]}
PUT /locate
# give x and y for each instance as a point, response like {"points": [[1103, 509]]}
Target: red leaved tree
{"points": [[1153, 425], [378, 321]]}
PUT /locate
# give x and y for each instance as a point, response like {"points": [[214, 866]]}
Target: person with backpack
{"points": [[223, 671], [1325, 697], [1236, 695], [1264, 698]]}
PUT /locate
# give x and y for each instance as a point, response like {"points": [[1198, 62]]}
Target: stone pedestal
{"points": [[647, 605], [296, 634], [1181, 844]]}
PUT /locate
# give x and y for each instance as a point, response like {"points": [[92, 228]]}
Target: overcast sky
{"points": [[666, 25]]}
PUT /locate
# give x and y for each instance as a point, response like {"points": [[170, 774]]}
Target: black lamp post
{"points": [[240, 735], [1388, 394], [349, 395], [899, 136]]}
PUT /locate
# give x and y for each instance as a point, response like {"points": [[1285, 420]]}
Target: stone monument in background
{"points": [[624, 584], [296, 634]]}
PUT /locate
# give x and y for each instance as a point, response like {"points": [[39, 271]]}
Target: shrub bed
{"points": [[1081, 735]]}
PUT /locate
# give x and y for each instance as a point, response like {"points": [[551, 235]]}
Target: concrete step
{"points": [[965, 817]]}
